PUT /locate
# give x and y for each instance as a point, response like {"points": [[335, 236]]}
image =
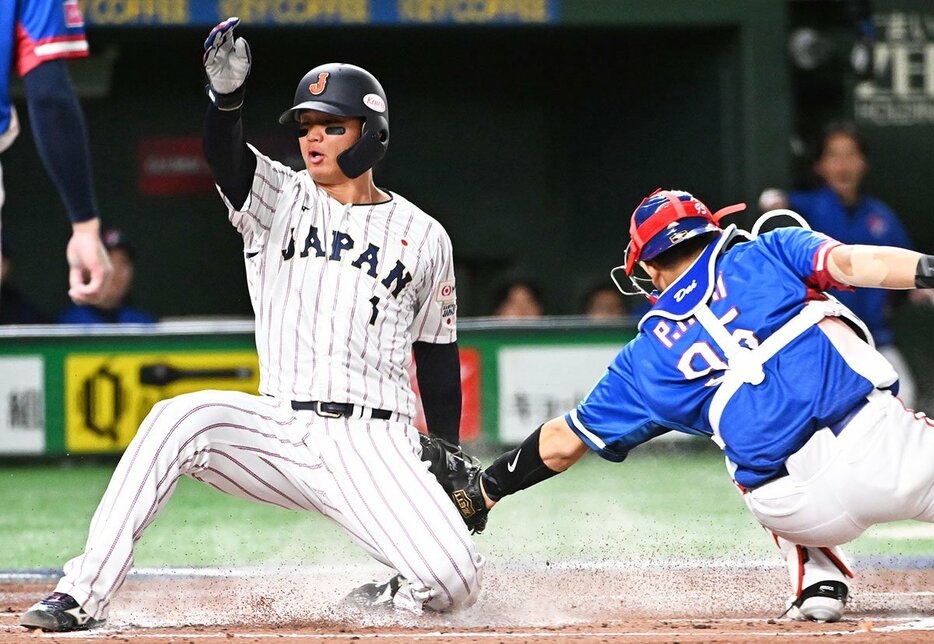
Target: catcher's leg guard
{"points": [[818, 580]]}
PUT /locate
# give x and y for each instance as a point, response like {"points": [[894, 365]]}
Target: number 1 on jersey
{"points": [[374, 301]]}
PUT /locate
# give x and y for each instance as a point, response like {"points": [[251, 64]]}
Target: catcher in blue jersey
{"points": [[743, 345]]}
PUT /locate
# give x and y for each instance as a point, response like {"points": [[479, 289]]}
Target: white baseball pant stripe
{"points": [[878, 469], [364, 474]]}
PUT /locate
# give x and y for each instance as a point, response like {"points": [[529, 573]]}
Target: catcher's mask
{"points": [[347, 90], [664, 219]]}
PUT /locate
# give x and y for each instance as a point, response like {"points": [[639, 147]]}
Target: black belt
{"points": [[336, 410], [837, 426]]}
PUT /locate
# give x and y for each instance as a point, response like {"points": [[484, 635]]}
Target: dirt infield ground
{"points": [[668, 601]]}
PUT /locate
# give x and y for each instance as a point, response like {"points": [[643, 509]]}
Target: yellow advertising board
{"points": [[107, 396]]}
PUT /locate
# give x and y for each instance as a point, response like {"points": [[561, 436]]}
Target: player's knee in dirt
{"points": [[463, 587]]}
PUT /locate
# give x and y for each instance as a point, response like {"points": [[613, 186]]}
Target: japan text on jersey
{"points": [[341, 292]]}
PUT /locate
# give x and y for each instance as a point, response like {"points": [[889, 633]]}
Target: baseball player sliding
{"points": [[743, 346], [346, 279]]}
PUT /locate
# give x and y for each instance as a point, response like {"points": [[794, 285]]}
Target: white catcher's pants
{"points": [[879, 468], [907, 389], [365, 474]]}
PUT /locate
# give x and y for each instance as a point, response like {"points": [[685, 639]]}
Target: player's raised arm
{"points": [[227, 63], [881, 267]]}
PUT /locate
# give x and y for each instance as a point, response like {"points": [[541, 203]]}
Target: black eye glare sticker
{"points": [[331, 130]]}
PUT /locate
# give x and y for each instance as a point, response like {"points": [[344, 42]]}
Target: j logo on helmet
{"points": [[318, 86]]}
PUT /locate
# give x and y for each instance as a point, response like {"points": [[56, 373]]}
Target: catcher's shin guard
{"points": [[818, 580]]}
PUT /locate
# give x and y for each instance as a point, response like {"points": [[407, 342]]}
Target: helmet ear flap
{"points": [[367, 152], [341, 89]]}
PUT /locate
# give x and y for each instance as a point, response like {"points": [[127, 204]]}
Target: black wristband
{"points": [[227, 102], [516, 470], [924, 273]]}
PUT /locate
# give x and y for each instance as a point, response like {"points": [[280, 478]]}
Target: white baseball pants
{"points": [[878, 469], [365, 474], [907, 389]]}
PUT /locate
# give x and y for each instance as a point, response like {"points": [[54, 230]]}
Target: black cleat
{"points": [[820, 602], [373, 595], [58, 612]]}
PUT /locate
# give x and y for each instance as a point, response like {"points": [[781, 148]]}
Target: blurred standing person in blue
{"points": [[112, 305], [840, 209], [36, 36]]}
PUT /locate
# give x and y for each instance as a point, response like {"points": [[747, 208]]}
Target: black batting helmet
{"points": [[347, 90]]}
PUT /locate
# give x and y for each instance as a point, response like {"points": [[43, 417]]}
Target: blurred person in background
{"points": [[603, 302], [15, 308], [36, 36], [518, 299], [841, 209], [113, 305]]}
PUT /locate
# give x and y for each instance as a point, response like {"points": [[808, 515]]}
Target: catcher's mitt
{"points": [[459, 475]]}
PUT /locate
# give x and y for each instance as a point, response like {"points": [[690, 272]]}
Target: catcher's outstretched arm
{"points": [[548, 451], [881, 267]]}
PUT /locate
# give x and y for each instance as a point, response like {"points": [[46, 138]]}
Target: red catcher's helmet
{"points": [[666, 218]]}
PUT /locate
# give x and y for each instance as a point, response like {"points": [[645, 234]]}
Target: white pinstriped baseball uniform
{"points": [[339, 293], [320, 333]]}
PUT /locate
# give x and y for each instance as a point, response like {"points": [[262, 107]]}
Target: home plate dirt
{"points": [[648, 601]]}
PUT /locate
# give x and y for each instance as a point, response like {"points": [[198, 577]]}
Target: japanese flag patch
{"points": [[446, 292]]}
